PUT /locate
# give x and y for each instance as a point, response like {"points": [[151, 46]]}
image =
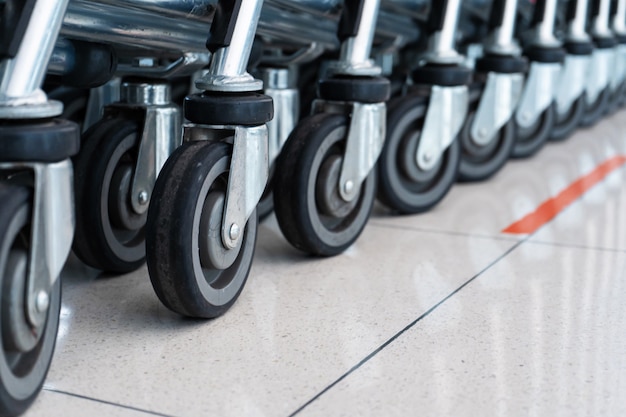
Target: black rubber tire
{"points": [[109, 155], [315, 146], [528, 141], [397, 190], [480, 162], [566, 124], [185, 283], [22, 373], [596, 110]]}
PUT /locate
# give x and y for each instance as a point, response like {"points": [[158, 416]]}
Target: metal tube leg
{"points": [[231, 47], [22, 75], [441, 43]]}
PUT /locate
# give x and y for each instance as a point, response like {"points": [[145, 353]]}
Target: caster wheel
{"points": [[191, 271], [479, 162], [565, 123], [528, 140], [26, 352], [310, 212], [109, 233], [403, 185], [594, 111]]}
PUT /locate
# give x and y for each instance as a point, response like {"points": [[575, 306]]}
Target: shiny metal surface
{"points": [[618, 22], [366, 137], [249, 171], [22, 76], [286, 98], [354, 56], [52, 229], [320, 7], [600, 24], [100, 97], [577, 27], [599, 73], [543, 32], [498, 102], [160, 136], [617, 74], [572, 80], [539, 92], [227, 71], [148, 25], [500, 40], [441, 44], [447, 110]]}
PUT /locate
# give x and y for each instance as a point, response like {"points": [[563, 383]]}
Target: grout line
{"points": [[128, 407], [444, 232], [433, 308], [405, 329], [575, 246]]}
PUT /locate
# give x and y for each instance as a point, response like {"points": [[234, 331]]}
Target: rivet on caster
{"points": [[534, 117], [597, 89], [326, 182], [420, 159], [202, 223], [115, 174], [36, 211], [488, 137]]}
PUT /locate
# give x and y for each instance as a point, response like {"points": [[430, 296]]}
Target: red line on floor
{"points": [[550, 208]]}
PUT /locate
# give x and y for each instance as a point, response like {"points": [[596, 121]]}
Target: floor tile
{"points": [[53, 404], [539, 334], [300, 323], [596, 220]]}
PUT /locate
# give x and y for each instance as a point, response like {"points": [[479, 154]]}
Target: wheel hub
{"points": [[408, 164], [327, 189], [120, 210], [213, 253]]}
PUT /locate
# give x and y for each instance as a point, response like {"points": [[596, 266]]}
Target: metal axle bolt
{"points": [[42, 302], [234, 232], [482, 132], [348, 187], [143, 198], [427, 157]]}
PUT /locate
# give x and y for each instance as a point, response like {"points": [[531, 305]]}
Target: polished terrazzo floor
{"points": [[437, 314]]}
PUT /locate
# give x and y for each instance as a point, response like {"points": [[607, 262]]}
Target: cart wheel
{"points": [[310, 212], [109, 233], [566, 123], [26, 352], [479, 162], [191, 271], [528, 140], [594, 111], [404, 186]]}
